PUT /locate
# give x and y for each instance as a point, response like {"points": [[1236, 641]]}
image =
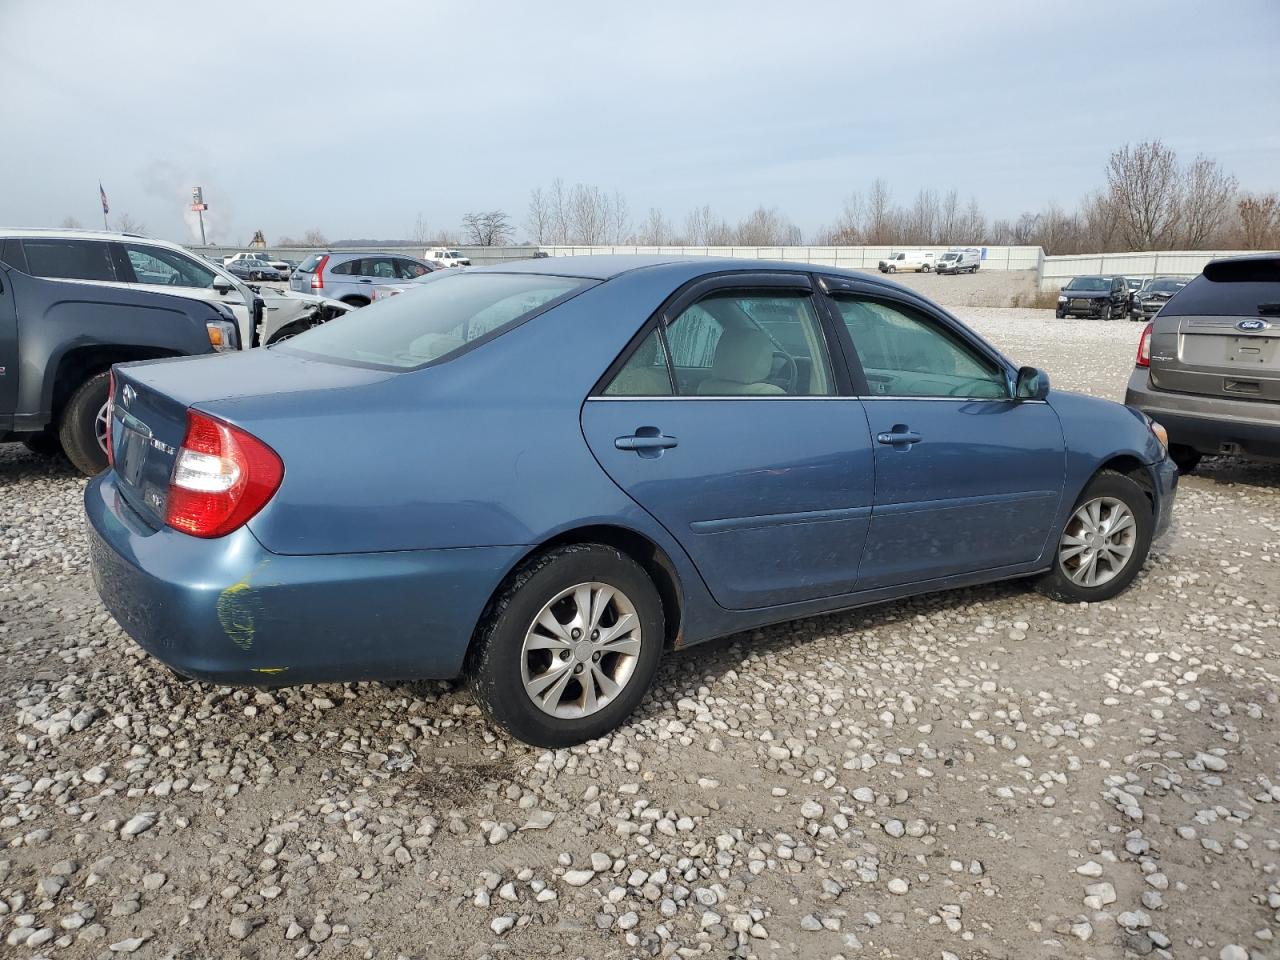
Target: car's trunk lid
{"points": [[1217, 356], [151, 400]]}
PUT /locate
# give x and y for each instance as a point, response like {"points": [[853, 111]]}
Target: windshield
{"points": [[951, 256], [1165, 286], [1090, 284], [439, 320]]}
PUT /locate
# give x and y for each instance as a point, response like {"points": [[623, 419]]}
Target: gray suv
{"points": [[352, 277], [1208, 365]]}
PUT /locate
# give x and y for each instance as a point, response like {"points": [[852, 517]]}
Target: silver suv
{"points": [[1208, 365], [352, 277]]}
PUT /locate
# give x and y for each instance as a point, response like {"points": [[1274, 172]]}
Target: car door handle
{"points": [[646, 441], [899, 436]]}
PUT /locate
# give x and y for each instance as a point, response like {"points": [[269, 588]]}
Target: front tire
{"points": [[1104, 543], [891, 269], [1106, 312], [569, 646], [82, 429]]}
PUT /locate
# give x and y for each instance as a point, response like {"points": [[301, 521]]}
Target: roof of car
{"points": [[34, 233], [607, 266]]}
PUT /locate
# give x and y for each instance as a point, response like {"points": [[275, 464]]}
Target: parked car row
{"points": [[1107, 297], [72, 303], [352, 278]]}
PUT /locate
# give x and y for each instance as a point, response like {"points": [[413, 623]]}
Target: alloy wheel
{"points": [[100, 428], [581, 650], [1098, 542]]}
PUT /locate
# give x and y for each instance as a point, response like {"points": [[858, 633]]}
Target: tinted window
{"points": [[346, 268], [157, 265], [69, 259], [1225, 298], [906, 354], [11, 253], [745, 344], [645, 372], [437, 321]]}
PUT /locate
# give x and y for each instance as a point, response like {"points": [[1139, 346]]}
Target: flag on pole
{"points": [[103, 194]]}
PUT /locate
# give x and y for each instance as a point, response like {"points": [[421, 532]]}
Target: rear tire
{"points": [[516, 654], [1103, 542], [1186, 459], [80, 429]]}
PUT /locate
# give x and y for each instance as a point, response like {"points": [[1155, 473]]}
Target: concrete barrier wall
{"points": [[853, 258]]}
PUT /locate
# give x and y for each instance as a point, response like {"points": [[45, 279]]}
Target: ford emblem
{"points": [[1252, 325]]}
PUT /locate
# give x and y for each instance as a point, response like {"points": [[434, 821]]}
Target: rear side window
{"points": [[309, 265], [69, 259], [1240, 293], [443, 318], [11, 253], [348, 268]]}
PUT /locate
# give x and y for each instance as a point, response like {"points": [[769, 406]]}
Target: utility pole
{"points": [[199, 206]]}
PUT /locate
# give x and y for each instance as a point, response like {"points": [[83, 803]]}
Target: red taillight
{"points": [[111, 412], [1144, 347], [317, 278], [221, 478]]}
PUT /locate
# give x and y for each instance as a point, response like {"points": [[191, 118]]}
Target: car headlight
{"points": [[1160, 433], [223, 335], [1062, 299]]}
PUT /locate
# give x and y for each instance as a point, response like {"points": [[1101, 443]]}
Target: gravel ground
{"points": [[977, 774]]}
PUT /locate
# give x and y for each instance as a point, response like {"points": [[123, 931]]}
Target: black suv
{"points": [[58, 340], [1101, 297]]}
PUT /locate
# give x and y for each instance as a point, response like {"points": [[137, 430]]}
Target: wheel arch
{"points": [[1131, 467], [79, 364], [650, 556]]}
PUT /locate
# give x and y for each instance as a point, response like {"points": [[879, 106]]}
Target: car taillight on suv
{"points": [[1144, 347], [222, 477], [317, 278]]}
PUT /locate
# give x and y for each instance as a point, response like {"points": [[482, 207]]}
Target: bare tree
{"points": [[70, 223], [539, 220], [879, 214], [314, 237], [489, 229], [1146, 190], [126, 224], [655, 231], [1207, 192], [617, 218], [421, 234], [1259, 221]]}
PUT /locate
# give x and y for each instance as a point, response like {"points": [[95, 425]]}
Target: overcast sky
{"points": [[354, 118]]}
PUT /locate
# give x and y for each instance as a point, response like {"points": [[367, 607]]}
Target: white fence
{"points": [[853, 258], [1158, 263]]}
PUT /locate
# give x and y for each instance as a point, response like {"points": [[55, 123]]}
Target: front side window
{"points": [[905, 354], [383, 268], [409, 269], [750, 344], [402, 333], [157, 265], [69, 259]]}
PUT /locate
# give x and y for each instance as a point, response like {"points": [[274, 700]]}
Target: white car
{"points": [[442, 257], [130, 261], [909, 261]]}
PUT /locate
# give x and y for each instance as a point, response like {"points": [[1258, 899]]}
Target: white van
{"points": [[959, 260], [913, 261], [441, 257]]}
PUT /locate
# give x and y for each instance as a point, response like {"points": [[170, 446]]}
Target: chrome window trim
{"points": [[731, 396]]}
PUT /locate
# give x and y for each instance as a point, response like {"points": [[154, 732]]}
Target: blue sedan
{"points": [[543, 475]]}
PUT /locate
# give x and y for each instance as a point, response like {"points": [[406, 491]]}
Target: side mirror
{"points": [[1032, 384], [222, 285]]}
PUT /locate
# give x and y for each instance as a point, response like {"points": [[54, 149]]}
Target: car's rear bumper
{"points": [[229, 611], [1210, 425]]}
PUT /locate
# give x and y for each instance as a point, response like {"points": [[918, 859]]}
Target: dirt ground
{"points": [[977, 774]]}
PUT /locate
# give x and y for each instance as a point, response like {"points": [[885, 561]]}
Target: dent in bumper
{"points": [[229, 611]]}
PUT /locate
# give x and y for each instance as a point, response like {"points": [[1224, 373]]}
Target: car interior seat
{"points": [[743, 361]]}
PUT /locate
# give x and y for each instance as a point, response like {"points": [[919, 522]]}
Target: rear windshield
{"points": [[309, 264], [1203, 297], [436, 320]]}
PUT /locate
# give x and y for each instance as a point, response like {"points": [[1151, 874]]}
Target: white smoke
{"points": [[170, 182]]}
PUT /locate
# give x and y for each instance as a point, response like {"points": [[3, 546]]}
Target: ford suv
{"points": [[1208, 365]]}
